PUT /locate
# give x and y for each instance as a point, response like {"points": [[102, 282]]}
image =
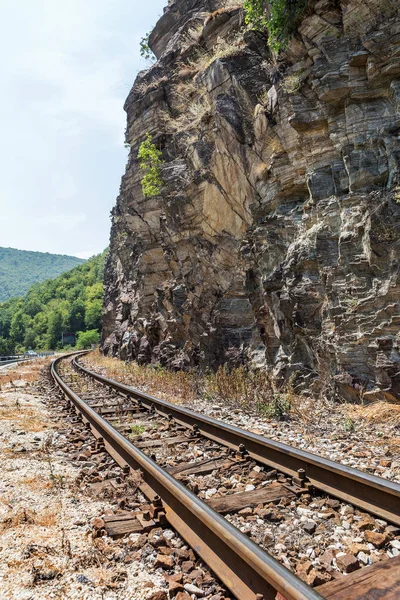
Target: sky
{"points": [[66, 68]]}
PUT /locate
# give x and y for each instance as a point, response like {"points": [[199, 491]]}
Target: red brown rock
{"points": [[375, 538], [164, 562], [347, 563]]}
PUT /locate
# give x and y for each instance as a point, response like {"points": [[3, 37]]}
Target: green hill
{"points": [[19, 269], [72, 302]]}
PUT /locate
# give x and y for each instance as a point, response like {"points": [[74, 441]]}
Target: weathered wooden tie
{"points": [[235, 502], [380, 581]]}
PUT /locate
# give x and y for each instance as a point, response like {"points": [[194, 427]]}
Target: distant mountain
{"points": [[19, 269], [69, 303]]}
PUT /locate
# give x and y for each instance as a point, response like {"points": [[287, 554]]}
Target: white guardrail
{"points": [[8, 360]]}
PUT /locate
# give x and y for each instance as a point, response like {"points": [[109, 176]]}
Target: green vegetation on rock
{"points": [[70, 303], [145, 51], [150, 161], [19, 269], [278, 17]]}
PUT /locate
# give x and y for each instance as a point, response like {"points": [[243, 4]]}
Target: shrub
{"points": [[145, 51], [255, 14], [150, 161], [280, 22], [86, 338]]}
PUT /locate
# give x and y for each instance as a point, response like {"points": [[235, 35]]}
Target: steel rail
{"points": [[368, 492], [248, 572]]}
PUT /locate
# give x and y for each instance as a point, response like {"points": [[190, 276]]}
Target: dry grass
{"points": [[292, 83], [145, 86], [23, 516], [180, 385], [37, 483], [238, 387], [223, 48], [385, 413], [196, 112], [23, 417], [232, 4], [22, 373]]}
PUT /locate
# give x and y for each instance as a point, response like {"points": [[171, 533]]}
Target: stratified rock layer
{"points": [[276, 236]]}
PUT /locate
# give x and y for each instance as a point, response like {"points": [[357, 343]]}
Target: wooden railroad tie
{"points": [[378, 581]]}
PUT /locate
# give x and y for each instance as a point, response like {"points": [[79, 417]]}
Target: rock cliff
{"points": [[276, 236]]}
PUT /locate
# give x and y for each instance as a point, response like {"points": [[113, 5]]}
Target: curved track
{"points": [[248, 572]]}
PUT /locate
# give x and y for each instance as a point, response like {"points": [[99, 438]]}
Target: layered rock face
{"points": [[276, 237]]}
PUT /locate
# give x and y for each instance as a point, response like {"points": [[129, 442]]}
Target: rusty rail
{"points": [[368, 492], [248, 572]]}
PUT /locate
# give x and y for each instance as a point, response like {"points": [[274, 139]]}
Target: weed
{"points": [[237, 387], [292, 83], [278, 408], [349, 425], [137, 429], [195, 112], [58, 481]]}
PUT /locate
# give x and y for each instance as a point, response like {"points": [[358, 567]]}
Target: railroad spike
{"points": [[301, 474], [242, 450]]}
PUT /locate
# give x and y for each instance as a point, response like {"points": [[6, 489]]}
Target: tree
{"points": [[30, 339], [93, 314], [86, 338], [32, 305], [56, 305], [6, 347], [17, 329], [76, 319], [54, 329]]}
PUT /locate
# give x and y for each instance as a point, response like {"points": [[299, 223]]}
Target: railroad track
{"points": [[190, 466]]}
